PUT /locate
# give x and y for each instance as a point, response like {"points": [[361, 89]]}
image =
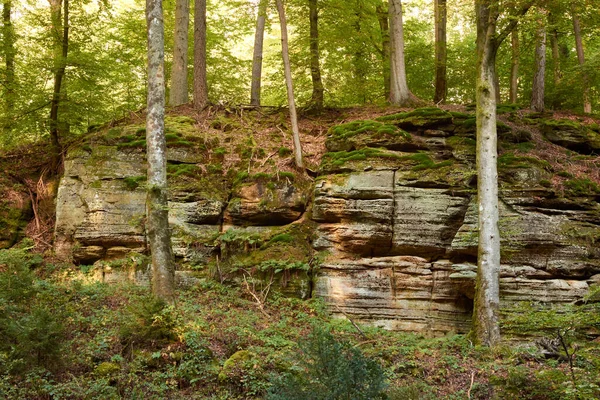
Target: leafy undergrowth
{"points": [[65, 336]]}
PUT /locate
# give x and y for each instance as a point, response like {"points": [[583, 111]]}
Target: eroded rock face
{"points": [[400, 230], [394, 215]]}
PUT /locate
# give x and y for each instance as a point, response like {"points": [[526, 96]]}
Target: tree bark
{"points": [[399, 93], [258, 53], [179, 70], [514, 66], [538, 89], [487, 298], [9, 62], [157, 221], [290, 88], [200, 83], [441, 89], [61, 44], [384, 26], [315, 68], [587, 104]]}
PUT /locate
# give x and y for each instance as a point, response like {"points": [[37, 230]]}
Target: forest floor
{"points": [[68, 337]]}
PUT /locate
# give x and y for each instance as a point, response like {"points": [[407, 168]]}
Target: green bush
{"points": [[329, 369]]}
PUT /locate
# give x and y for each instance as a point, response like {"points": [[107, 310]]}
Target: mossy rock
{"points": [[12, 222], [440, 175], [506, 108], [359, 134], [235, 365], [510, 160], [572, 135], [106, 369], [420, 119]]}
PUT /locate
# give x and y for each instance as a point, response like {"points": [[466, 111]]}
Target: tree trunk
{"points": [[384, 26], [61, 48], [179, 70], [359, 59], [587, 104], [441, 89], [487, 297], [9, 62], [258, 53], [315, 69], [537, 92], [514, 66], [556, 72], [399, 93], [156, 202], [200, 84], [290, 88]]}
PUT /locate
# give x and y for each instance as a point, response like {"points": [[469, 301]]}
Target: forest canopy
{"points": [[104, 75]]}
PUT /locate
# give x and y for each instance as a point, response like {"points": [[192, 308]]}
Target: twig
{"points": [[258, 301], [352, 322], [471, 386], [365, 342], [267, 159]]}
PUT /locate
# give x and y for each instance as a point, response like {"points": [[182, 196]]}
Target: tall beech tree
{"points": [[315, 67], [257, 58], [539, 75], [587, 105], [441, 54], [487, 297], [179, 69], [384, 26], [290, 87], [9, 51], [60, 32], [399, 92], [514, 66], [157, 218], [200, 81]]}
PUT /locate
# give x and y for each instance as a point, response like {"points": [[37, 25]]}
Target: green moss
{"points": [[214, 168], [565, 174], [133, 182], [373, 128], [175, 170], [238, 361], [220, 151], [284, 152], [286, 175], [339, 158], [455, 141], [107, 368], [419, 118], [424, 161], [96, 184], [582, 187], [510, 160], [506, 108], [545, 183], [131, 145], [282, 238]]}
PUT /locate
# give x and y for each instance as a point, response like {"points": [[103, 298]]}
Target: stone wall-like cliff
{"points": [[390, 220]]}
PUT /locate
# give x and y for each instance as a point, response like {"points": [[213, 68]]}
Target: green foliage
{"points": [[31, 333], [372, 128], [329, 369], [510, 160], [149, 321]]}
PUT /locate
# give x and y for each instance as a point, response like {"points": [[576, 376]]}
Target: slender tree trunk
{"points": [[538, 89], [200, 84], [487, 298], [9, 62], [441, 89], [179, 70], [359, 59], [315, 68], [60, 62], [514, 66], [156, 202], [384, 26], [258, 53], [587, 104], [556, 71], [290, 88], [399, 92]]}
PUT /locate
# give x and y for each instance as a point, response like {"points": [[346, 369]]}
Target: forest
{"points": [[300, 199]]}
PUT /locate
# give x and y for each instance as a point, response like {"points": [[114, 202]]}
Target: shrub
{"points": [[329, 370]]}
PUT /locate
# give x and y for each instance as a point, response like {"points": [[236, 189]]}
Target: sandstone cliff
{"points": [[386, 233]]}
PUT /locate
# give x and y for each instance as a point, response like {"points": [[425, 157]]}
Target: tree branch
{"points": [[514, 20]]}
